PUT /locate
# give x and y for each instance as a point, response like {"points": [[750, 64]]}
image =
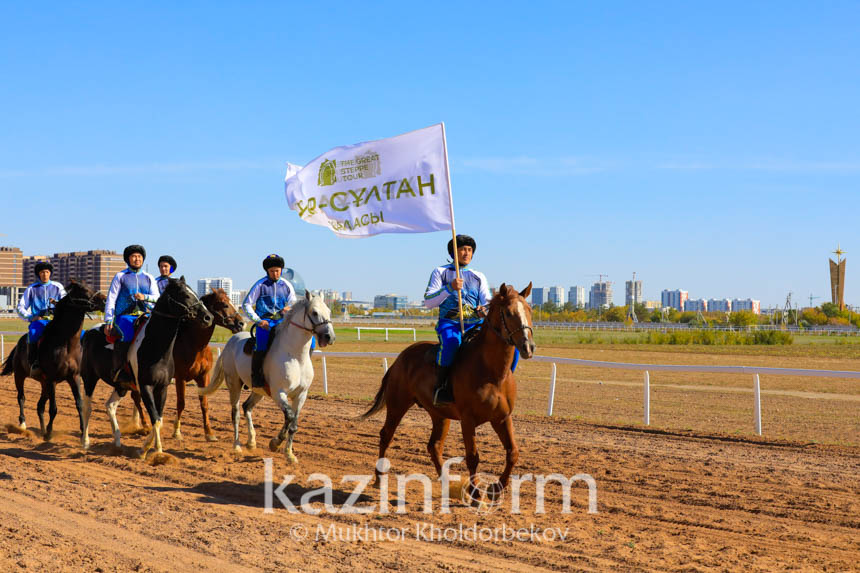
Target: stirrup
{"points": [[443, 396]]}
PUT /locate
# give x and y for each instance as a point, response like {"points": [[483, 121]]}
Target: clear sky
{"points": [[709, 148]]}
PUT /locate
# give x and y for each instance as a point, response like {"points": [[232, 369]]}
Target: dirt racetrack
{"points": [[667, 501]]}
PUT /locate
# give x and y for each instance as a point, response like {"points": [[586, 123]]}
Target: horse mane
{"points": [[300, 304]]}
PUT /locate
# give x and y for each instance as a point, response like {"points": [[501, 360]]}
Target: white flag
{"points": [[394, 185]]}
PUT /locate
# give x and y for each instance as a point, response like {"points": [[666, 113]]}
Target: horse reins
{"points": [[188, 309], [509, 340], [314, 324]]}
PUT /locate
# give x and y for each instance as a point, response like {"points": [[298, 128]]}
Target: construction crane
{"points": [[631, 310], [811, 298]]}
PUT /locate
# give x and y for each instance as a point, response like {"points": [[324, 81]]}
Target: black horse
{"points": [[59, 355], [151, 354]]}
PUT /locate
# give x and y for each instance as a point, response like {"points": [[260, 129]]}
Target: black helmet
{"points": [[41, 266], [461, 240], [273, 261], [169, 260], [130, 250]]}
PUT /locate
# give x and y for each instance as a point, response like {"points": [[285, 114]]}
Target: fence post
{"points": [[325, 376], [414, 336], [647, 399], [551, 392], [385, 364], [358, 331], [386, 336], [757, 398], [2, 347]]}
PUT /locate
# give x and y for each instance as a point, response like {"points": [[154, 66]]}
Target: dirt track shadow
{"points": [[233, 493]]}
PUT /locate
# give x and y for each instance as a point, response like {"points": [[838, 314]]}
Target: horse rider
{"points": [[442, 292], [166, 267], [132, 293], [37, 307], [266, 304]]}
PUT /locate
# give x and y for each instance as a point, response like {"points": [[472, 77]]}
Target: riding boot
{"points": [[258, 381], [443, 394], [33, 359], [120, 357]]}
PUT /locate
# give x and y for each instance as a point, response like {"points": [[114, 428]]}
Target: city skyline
{"points": [[698, 158]]}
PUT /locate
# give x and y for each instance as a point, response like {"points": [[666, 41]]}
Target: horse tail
{"points": [[379, 400], [217, 378], [9, 363]]}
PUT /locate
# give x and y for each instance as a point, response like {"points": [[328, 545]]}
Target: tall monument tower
{"points": [[837, 279]]}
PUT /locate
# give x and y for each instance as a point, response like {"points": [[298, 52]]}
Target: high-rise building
{"points": [[11, 275], [392, 301], [556, 295], [747, 304], [652, 304], [719, 305], [674, 298], [237, 297], [346, 295], [632, 292], [95, 268], [696, 305], [538, 296], [600, 295], [204, 286], [576, 296]]}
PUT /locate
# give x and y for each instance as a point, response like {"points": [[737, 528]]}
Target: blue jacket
{"points": [[162, 283], [439, 293], [125, 285], [267, 299], [37, 299]]}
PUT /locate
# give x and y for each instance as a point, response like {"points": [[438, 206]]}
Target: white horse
{"points": [[287, 368]]}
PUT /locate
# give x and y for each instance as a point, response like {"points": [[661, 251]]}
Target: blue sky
{"points": [[709, 148]]}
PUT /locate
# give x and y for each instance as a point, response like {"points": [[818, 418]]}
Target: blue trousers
{"points": [[262, 335], [35, 330], [450, 339], [125, 325]]}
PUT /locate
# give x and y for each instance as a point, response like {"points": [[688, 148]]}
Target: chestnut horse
{"points": [[484, 386], [59, 355], [192, 356]]}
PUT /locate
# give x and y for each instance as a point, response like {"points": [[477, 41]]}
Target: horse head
{"points": [[510, 316], [312, 314], [81, 297], [226, 315], [179, 301]]}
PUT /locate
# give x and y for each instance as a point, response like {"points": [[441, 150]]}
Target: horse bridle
{"points": [[509, 339], [84, 302], [188, 310], [314, 324]]}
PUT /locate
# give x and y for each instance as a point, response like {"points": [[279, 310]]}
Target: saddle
{"points": [[248, 347], [139, 323], [470, 335]]}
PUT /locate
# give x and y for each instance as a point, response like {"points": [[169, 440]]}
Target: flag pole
{"points": [[453, 227]]}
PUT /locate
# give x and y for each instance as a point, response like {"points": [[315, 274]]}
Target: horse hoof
{"points": [[22, 426], [141, 454], [47, 437], [237, 448], [251, 445], [85, 445], [293, 460], [273, 445], [211, 438], [177, 435]]}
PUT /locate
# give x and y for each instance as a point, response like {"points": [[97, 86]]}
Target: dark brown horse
{"points": [[59, 355], [484, 386]]}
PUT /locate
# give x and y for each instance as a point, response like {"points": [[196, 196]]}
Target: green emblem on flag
{"points": [[327, 175]]}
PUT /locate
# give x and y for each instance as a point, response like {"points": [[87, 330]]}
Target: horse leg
{"points": [[137, 419], [76, 393], [40, 408], [180, 406], [505, 430], [437, 441], [472, 457], [393, 414], [291, 424], [235, 387], [298, 402], [111, 406], [52, 409], [204, 409], [19, 385], [160, 394], [247, 407], [149, 403]]}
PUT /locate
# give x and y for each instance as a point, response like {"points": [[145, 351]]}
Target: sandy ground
{"points": [[667, 500]]}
